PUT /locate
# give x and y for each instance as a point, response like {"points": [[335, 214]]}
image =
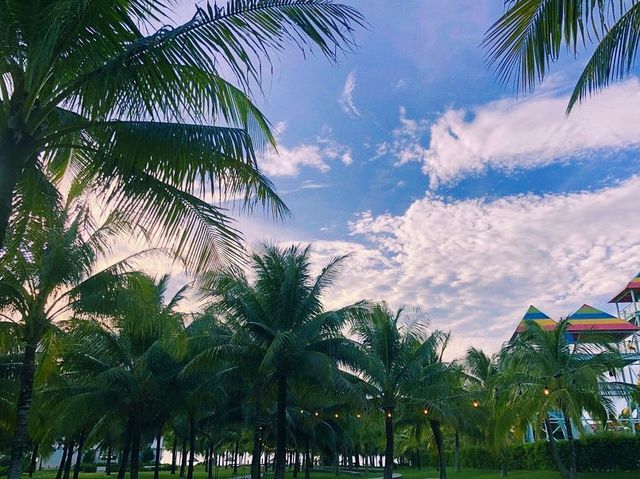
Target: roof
{"points": [[534, 314], [624, 296], [590, 319]]}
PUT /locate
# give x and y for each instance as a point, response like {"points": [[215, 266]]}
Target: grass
{"points": [[425, 473]]}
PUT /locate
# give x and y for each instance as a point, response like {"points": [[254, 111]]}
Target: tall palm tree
{"points": [[531, 35], [281, 313], [396, 353], [123, 367], [555, 375], [137, 109], [49, 273]]}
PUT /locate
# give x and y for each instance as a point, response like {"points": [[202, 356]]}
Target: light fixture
{"points": [[475, 403], [317, 413], [301, 411], [389, 414], [425, 411], [358, 416], [546, 390]]}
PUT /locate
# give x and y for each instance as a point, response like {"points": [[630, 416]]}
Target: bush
{"points": [[599, 452], [88, 467]]}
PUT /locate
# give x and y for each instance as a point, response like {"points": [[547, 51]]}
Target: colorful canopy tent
{"points": [[534, 314], [628, 294], [589, 320]]}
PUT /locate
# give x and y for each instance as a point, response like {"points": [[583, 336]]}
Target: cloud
{"points": [[346, 98], [288, 161], [511, 134], [476, 265]]}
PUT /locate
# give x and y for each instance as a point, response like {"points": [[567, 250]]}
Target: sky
{"points": [[449, 190]]}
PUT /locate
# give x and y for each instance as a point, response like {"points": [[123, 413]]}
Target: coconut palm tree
{"points": [[396, 354], [530, 36], [124, 367], [287, 328], [135, 107], [49, 272], [554, 374]]}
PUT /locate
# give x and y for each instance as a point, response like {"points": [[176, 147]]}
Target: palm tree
{"points": [[282, 315], [489, 381], [141, 115], [49, 273], [530, 36], [555, 375], [124, 367], [396, 355]]}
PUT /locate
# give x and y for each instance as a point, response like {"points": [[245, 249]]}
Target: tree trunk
{"points": [[296, 464], [107, 468], [23, 406], [504, 462], [281, 428], [124, 460], [256, 452], [437, 436], [307, 461], [67, 466], [357, 454], [76, 469], [34, 459], [554, 450], [457, 451], [211, 463], [192, 446], [10, 170], [235, 458], [156, 469], [572, 447], [183, 458], [388, 452], [174, 453], [135, 448], [63, 460], [418, 458]]}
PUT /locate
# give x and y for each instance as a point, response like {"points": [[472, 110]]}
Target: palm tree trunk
{"points": [[388, 452], [183, 458], [135, 450], [27, 372], [76, 469], [256, 452], [34, 459], [67, 466], [457, 451], [156, 469], [418, 458], [235, 458], [504, 462], [107, 469], [437, 436], [281, 428], [572, 447], [554, 450], [192, 446], [63, 460], [124, 460], [211, 463], [307, 461], [296, 464], [9, 174], [174, 453]]}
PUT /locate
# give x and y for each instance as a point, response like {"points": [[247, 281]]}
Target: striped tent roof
{"points": [[534, 314], [624, 296], [590, 319]]}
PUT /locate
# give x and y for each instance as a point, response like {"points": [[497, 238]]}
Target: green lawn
{"points": [[425, 473]]}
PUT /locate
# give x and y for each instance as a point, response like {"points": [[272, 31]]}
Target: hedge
{"points": [[601, 452]]}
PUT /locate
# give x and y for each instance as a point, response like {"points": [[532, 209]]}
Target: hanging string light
{"points": [[358, 415], [316, 413], [336, 416], [425, 411], [546, 390], [475, 403], [389, 414]]}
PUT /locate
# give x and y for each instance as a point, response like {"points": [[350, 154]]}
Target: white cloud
{"points": [[476, 265], [513, 134], [346, 98], [288, 161]]}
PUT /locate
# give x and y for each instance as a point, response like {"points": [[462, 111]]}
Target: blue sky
{"points": [[451, 192]]}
